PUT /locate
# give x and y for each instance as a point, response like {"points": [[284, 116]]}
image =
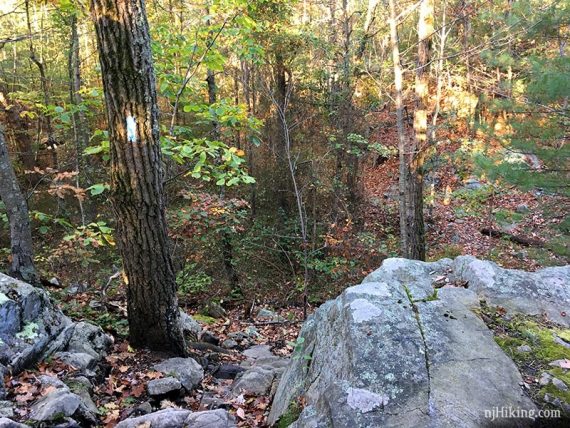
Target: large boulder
{"points": [[33, 328], [397, 351], [29, 323], [545, 292]]}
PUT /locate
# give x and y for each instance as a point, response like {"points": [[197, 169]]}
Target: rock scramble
{"points": [[407, 348]]}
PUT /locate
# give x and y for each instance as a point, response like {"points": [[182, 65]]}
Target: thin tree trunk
{"points": [[51, 143], [416, 154], [22, 266], [398, 84], [80, 126], [136, 174]]}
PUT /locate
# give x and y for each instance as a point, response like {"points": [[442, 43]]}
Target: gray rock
{"points": [[9, 423], [559, 384], [258, 351], [186, 370], [76, 288], [522, 209], [210, 419], [227, 371], [524, 348], [163, 386], [48, 381], [60, 403], [472, 184], [261, 376], [6, 409], [10, 320], [144, 408], [545, 379], [214, 310], [211, 402], [29, 323], [3, 372], [90, 339], [79, 360], [559, 363], [256, 381], [269, 316], [373, 358], [190, 325], [229, 344], [561, 341], [532, 293], [167, 418]]}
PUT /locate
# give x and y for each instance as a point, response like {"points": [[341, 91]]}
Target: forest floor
{"points": [[121, 386]]}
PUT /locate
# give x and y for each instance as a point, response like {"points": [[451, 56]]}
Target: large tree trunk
{"points": [[22, 266], [136, 174]]}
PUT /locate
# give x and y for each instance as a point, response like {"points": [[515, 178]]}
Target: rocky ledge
{"points": [[407, 348]]}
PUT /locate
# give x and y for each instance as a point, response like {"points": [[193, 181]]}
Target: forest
{"points": [[195, 178]]}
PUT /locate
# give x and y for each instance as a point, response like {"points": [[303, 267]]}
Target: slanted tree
{"points": [[137, 175], [22, 266]]}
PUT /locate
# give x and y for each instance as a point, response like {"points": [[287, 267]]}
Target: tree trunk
{"points": [[22, 266], [415, 248], [400, 124], [136, 174], [80, 125]]}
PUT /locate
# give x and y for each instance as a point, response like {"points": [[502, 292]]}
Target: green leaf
{"points": [[97, 189]]}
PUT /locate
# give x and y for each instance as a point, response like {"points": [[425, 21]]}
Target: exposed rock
{"points": [[168, 418], [190, 325], [208, 337], [211, 402], [90, 339], [210, 419], [565, 364], [48, 381], [6, 409], [258, 351], [227, 371], [391, 352], [186, 370], [77, 288], [163, 386], [175, 418], [524, 348], [3, 372], [263, 373], [561, 341], [545, 379], [256, 381], [559, 384], [60, 403], [472, 184], [9, 423], [29, 322], [522, 209], [532, 293], [229, 344], [269, 316], [79, 360], [214, 310]]}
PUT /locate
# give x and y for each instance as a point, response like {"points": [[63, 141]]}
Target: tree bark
{"points": [[80, 125], [400, 124], [22, 266], [136, 174]]}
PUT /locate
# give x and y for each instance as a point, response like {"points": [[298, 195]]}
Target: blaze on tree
{"points": [[22, 265], [136, 174]]}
